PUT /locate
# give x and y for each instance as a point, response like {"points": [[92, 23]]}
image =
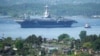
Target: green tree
{"points": [[1, 44], [83, 54], [72, 45], [44, 40], [82, 35], [96, 44], [19, 43], [63, 37], [77, 43], [8, 40], [90, 38], [43, 52], [32, 39], [39, 41], [87, 45], [99, 36]]}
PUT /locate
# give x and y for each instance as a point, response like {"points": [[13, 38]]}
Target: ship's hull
{"points": [[46, 24]]}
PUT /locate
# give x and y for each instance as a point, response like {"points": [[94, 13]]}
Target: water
{"points": [[12, 29]]}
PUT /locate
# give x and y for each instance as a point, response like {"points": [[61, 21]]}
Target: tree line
{"points": [[24, 47], [32, 44], [87, 9]]}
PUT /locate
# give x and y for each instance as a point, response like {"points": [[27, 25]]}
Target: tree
{"points": [[32, 39], [98, 37], [72, 45], [96, 44], [19, 43], [39, 41], [1, 44], [8, 40], [83, 54], [87, 45], [20, 46], [90, 38], [82, 35], [43, 52], [63, 37], [44, 40], [77, 43]]}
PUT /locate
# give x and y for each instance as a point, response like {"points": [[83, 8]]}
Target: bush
{"points": [[83, 54]]}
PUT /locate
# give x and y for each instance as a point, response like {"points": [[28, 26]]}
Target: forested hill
{"points": [[60, 9], [56, 7], [13, 2]]}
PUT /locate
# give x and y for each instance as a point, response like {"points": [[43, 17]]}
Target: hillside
{"points": [[87, 9], [55, 2]]}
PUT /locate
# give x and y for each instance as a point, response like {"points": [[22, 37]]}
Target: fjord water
{"points": [[9, 28]]}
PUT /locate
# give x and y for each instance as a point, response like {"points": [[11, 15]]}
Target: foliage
{"points": [[31, 39], [39, 40], [90, 41], [63, 37], [82, 35], [43, 52], [72, 45], [34, 40], [44, 40], [79, 9], [83, 54], [7, 40], [77, 43], [90, 38], [96, 45], [87, 45], [19, 44], [25, 46], [1, 45]]}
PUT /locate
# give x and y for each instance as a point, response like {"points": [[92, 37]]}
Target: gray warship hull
{"points": [[45, 23]]}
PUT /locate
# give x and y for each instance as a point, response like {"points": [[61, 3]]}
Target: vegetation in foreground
{"points": [[87, 45]]}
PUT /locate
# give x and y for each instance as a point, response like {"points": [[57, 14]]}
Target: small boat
{"points": [[87, 26]]}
